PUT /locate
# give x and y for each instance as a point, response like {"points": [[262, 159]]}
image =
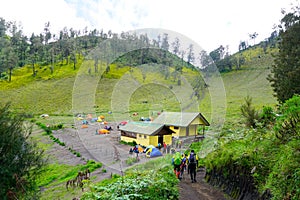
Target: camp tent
{"points": [[44, 116], [99, 119], [153, 152], [103, 131], [148, 147], [140, 149]]}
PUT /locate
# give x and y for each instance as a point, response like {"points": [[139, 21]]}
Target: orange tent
{"points": [[84, 126], [89, 116], [103, 131]]}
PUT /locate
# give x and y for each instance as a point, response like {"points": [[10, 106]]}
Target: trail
{"points": [[199, 190]]}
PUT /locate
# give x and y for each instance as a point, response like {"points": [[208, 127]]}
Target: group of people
{"points": [[183, 162]]}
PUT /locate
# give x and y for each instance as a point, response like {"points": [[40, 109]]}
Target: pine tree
{"points": [[20, 159], [285, 78]]}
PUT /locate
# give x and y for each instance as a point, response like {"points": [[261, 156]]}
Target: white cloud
{"points": [[209, 23]]}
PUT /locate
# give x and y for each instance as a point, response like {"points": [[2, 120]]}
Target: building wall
{"points": [[153, 140], [142, 139], [197, 121], [193, 129], [127, 139], [175, 129], [168, 139], [182, 131], [146, 140]]}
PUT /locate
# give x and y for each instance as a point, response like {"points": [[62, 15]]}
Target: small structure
{"points": [[182, 123], [145, 133]]}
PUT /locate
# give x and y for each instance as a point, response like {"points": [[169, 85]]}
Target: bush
{"points": [[249, 113]]}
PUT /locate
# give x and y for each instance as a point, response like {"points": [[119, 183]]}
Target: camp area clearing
{"points": [[166, 127]]}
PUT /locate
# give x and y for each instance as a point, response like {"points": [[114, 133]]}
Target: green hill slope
{"points": [[150, 90]]}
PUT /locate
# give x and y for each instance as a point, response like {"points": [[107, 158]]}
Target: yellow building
{"points": [[146, 133], [182, 123]]}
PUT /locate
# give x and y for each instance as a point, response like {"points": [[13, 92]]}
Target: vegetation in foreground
{"points": [[153, 180], [21, 159], [262, 162]]}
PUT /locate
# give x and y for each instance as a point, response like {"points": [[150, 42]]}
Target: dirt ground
{"points": [[107, 150], [199, 190]]}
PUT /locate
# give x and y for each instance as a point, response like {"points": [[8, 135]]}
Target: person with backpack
{"points": [[176, 162], [183, 164], [192, 166]]}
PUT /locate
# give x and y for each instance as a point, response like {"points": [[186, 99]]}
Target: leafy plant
{"points": [[288, 125], [249, 113]]}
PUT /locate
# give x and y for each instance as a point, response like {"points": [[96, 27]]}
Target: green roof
{"points": [[147, 128], [181, 119]]}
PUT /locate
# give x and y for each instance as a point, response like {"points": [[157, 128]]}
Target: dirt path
{"points": [[199, 190]]}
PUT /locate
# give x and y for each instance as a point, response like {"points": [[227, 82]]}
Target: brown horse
{"points": [[81, 175]]}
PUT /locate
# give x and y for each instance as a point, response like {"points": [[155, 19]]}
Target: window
{"points": [[145, 136], [176, 127]]}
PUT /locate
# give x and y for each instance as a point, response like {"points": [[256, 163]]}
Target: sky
{"points": [[209, 23]]}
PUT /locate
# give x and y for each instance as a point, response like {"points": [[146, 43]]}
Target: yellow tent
{"points": [[99, 119]]}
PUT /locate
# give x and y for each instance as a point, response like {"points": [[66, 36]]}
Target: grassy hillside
{"points": [[142, 89]]}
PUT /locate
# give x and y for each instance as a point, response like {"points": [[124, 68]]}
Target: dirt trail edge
{"points": [[200, 189]]}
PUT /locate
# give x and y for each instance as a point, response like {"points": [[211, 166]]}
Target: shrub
{"points": [[249, 113]]}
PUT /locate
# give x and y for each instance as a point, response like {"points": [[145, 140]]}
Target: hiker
{"points": [[176, 162], [183, 164], [165, 147], [136, 150], [130, 151], [159, 146], [179, 144], [168, 148], [192, 166]]}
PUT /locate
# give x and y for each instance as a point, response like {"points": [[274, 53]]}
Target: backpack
{"points": [[192, 158], [177, 159]]}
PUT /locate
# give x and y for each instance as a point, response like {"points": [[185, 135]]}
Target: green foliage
{"points": [[249, 113], [267, 116], [132, 160], [21, 159], [138, 184], [283, 179], [272, 162], [288, 125], [152, 180], [129, 143], [54, 177], [285, 76]]}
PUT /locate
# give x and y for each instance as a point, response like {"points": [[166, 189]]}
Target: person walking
{"points": [[183, 165], [176, 162], [165, 147], [192, 165]]}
